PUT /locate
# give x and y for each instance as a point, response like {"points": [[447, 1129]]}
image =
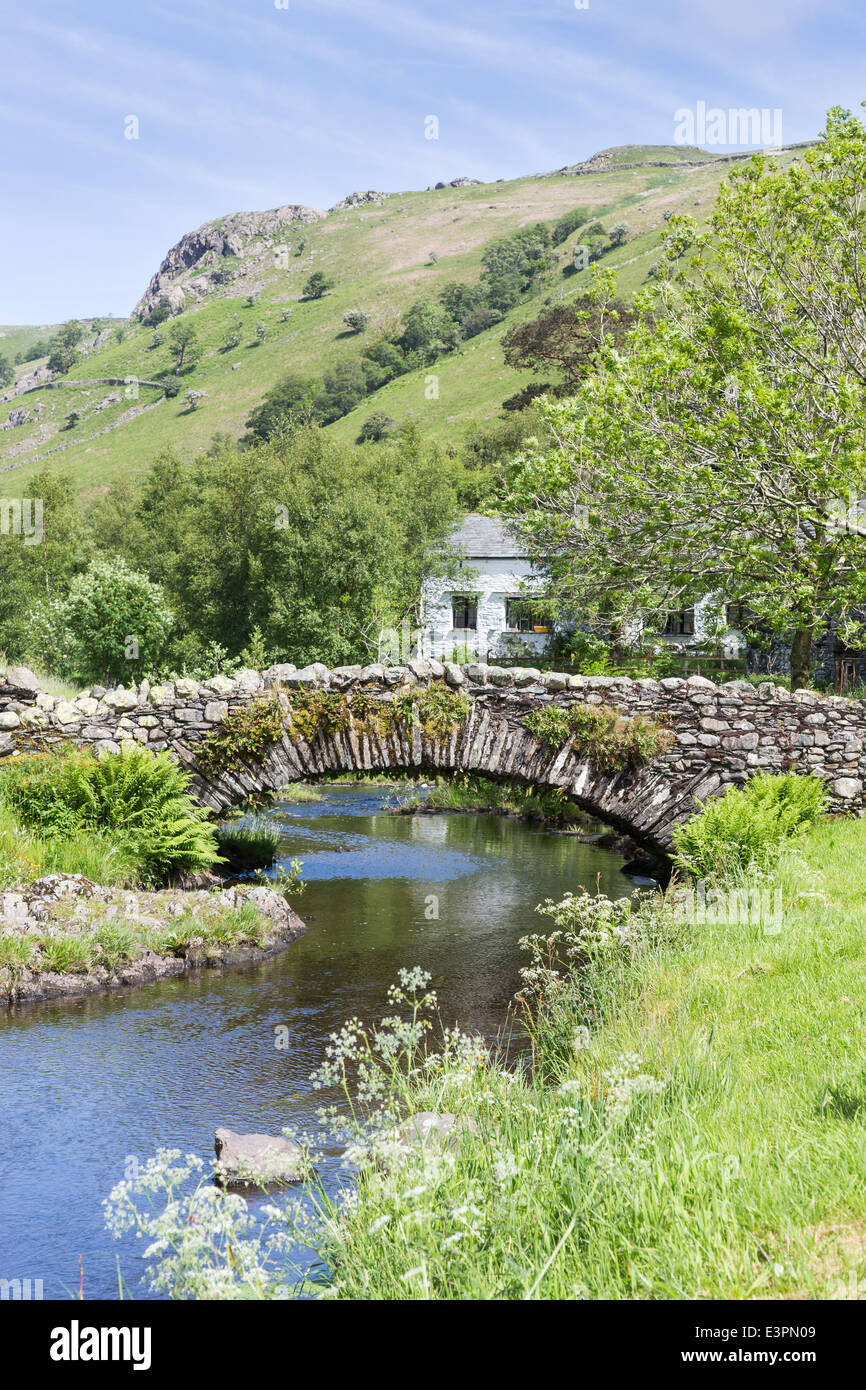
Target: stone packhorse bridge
{"points": [[716, 735]]}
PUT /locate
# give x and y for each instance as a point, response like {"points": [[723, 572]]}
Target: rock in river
{"points": [[257, 1159]]}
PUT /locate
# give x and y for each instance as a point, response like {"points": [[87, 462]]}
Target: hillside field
{"points": [[379, 257]]}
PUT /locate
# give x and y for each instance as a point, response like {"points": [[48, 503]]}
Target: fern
{"points": [[139, 799]]}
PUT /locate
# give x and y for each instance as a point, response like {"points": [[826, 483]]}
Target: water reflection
{"points": [[88, 1083]]}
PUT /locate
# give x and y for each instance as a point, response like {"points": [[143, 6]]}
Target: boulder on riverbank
{"points": [[257, 1160]]}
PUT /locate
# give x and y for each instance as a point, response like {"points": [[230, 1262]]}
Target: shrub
{"points": [[143, 798], [184, 344], [245, 736], [115, 618], [159, 313], [357, 320], [568, 223], [480, 318], [619, 234], [747, 826], [317, 285], [32, 787], [137, 800], [605, 738], [585, 651], [376, 427]]}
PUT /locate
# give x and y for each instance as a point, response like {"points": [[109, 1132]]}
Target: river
{"points": [[87, 1084]]}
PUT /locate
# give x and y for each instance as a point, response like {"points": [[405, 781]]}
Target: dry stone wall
{"points": [[717, 734]]}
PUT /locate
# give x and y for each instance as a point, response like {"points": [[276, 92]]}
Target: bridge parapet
{"points": [[716, 735]]}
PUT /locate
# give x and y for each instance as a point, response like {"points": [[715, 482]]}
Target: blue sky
{"points": [[243, 105]]}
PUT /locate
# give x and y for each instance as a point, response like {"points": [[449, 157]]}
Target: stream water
{"points": [[86, 1084]]}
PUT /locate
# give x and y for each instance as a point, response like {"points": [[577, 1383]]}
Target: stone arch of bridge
{"points": [[644, 803]]}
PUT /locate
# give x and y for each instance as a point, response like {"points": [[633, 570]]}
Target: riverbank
{"points": [[64, 935], [482, 795], [694, 1126]]}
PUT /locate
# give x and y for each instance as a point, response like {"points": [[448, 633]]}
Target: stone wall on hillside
{"points": [[717, 734]]}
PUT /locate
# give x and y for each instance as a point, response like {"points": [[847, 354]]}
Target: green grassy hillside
{"points": [[14, 338], [379, 257]]}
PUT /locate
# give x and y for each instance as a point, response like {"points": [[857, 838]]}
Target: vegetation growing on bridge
{"points": [[437, 710], [608, 740], [245, 736]]}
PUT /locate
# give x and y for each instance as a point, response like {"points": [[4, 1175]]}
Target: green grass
{"points": [[734, 1171], [25, 855], [236, 926], [299, 794], [465, 792], [248, 846], [111, 944], [15, 337]]}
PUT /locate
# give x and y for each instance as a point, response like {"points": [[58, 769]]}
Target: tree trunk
{"points": [[616, 642], [801, 657]]}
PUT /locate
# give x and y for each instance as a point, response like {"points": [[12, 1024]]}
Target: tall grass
{"points": [[693, 1125], [25, 855], [247, 846]]}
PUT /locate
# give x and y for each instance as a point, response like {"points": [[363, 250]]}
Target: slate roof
{"points": [[486, 538]]}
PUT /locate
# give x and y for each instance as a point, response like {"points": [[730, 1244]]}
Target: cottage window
{"points": [[737, 614], [520, 616], [464, 613], [680, 624]]}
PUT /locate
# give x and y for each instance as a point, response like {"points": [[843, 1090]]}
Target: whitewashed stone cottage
{"points": [[483, 610]]}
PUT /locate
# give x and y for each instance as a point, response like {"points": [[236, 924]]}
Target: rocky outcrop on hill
{"points": [[188, 267], [609, 161], [356, 200], [40, 376], [463, 182]]}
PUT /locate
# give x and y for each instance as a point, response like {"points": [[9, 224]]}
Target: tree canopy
{"points": [[721, 447]]}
